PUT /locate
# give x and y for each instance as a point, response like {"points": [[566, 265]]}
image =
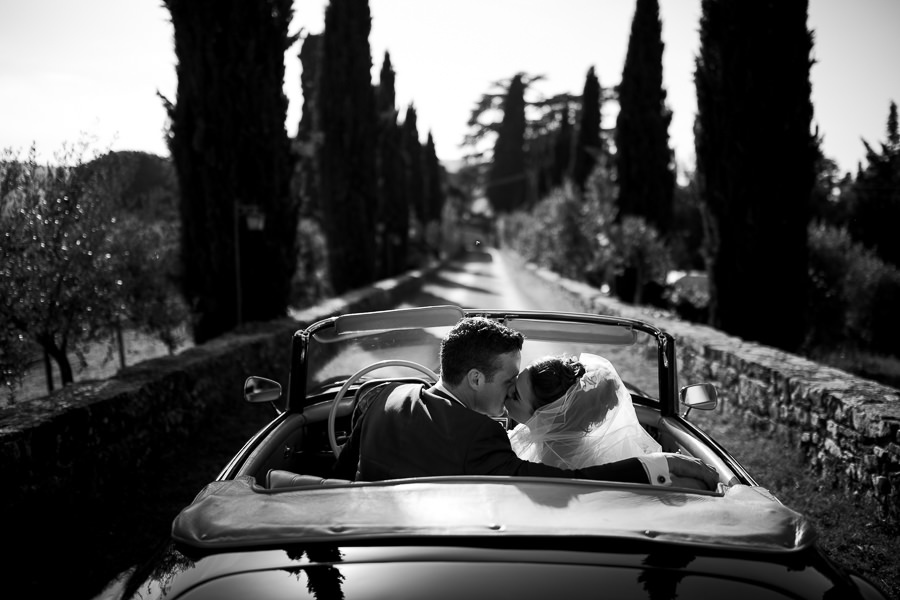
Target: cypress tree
{"points": [[434, 188], [415, 177], [348, 172], [309, 130], [542, 161], [562, 148], [644, 168], [756, 159], [386, 96], [507, 179], [434, 200], [549, 143], [231, 152], [588, 145], [393, 218], [876, 199]]}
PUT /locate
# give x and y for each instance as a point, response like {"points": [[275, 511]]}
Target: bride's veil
{"points": [[593, 423]]}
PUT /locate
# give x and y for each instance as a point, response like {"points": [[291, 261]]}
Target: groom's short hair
{"points": [[476, 343]]}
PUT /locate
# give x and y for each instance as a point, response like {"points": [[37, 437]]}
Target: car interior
{"points": [[300, 447], [297, 451]]}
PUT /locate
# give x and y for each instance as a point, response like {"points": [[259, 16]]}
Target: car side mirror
{"points": [[260, 389], [702, 396]]}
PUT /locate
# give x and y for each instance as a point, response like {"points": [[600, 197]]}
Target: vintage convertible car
{"points": [[275, 524]]}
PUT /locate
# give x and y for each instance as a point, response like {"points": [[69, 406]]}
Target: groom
{"points": [[447, 429]]}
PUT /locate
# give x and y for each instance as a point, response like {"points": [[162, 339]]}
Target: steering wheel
{"points": [[332, 414]]}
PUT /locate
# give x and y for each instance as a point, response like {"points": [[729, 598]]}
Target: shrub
{"points": [[551, 234], [641, 260], [853, 295], [688, 297], [146, 255], [580, 238], [829, 259], [874, 298], [310, 284]]}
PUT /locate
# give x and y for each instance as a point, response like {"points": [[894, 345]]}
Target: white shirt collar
{"points": [[440, 385]]}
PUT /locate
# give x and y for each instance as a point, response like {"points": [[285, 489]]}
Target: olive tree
{"points": [[77, 267], [59, 285]]}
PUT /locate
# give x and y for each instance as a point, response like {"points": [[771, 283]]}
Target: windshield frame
{"points": [[305, 340]]}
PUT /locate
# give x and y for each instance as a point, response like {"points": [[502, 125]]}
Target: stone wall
{"points": [[847, 427]]}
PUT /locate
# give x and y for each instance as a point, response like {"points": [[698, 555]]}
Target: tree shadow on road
{"points": [[449, 283]]}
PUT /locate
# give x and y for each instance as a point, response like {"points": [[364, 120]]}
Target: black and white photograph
{"points": [[369, 299]]}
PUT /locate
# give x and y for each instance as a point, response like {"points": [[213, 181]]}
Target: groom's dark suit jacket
{"points": [[410, 431]]}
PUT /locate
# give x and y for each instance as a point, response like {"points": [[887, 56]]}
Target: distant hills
{"points": [[150, 186]]}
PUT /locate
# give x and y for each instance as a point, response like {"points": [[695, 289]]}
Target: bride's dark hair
{"points": [[551, 376]]}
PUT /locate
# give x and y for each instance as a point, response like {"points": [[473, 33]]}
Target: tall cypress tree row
{"points": [[645, 172], [756, 159], [393, 217], [233, 158], [348, 171], [507, 179], [588, 145]]}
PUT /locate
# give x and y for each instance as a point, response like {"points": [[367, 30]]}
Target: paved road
{"points": [[491, 279]]}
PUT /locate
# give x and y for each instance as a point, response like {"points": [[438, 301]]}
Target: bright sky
{"points": [[95, 66]]}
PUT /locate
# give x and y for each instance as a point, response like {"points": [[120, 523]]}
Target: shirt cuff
{"points": [[657, 468]]}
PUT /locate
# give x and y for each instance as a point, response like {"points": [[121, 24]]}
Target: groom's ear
{"points": [[475, 378]]}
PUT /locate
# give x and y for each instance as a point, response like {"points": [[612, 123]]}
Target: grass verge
{"points": [[850, 528]]}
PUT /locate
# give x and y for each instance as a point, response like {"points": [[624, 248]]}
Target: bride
{"points": [[575, 413]]}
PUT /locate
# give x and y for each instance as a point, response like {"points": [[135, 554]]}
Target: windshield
{"points": [[334, 356], [334, 359]]}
